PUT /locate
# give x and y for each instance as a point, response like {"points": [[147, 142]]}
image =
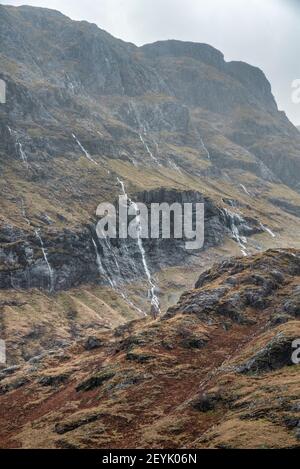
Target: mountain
{"points": [[173, 122], [215, 372]]}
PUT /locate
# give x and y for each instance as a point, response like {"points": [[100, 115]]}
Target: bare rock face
{"points": [[72, 257], [275, 355]]}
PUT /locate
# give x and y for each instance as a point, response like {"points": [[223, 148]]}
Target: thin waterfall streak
{"points": [[44, 251], [86, 153], [204, 148], [19, 147], [149, 151], [23, 154], [241, 240], [112, 283], [267, 230], [142, 129], [173, 165], [130, 303], [245, 190], [101, 269], [154, 298], [24, 212]]}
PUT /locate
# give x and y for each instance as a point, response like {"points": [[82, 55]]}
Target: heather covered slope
{"points": [[214, 372]]}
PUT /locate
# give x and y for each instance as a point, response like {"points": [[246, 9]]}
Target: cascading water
{"points": [[154, 299], [142, 129], [51, 273], [267, 230], [86, 153], [24, 212], [173, 165], [101, 269], [84, 150], [235, 219], [204, 148], [110, 250], [149, 151], [19, 147], [22, 154], [70, 84], [108, 277], [245, 190]]}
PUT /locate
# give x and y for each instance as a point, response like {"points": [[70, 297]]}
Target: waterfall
{"points": [[142, 129], [154, 298], [24, 212], [122, 187], [101, 269], [245, 190], [149, 151], [130, 303], [241, 240], [111, 281], [19, 147], [22, 154], [267, 230], [204, 148], [51, 273], [88, 156], [110, 249], [70, 84], [44, 251], [173, 165]]}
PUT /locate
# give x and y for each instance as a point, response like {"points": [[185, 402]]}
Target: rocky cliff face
{"points": [[70, 258], [217, 371], [171, 121]]}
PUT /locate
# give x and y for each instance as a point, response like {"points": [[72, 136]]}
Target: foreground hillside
{"points": [[214, 372]]}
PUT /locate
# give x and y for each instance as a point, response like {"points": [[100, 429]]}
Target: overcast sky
{"points": [[265, 33]]}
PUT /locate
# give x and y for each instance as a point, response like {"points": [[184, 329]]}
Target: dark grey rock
{"points": [[275, 355], [95, 381], [207, 402], [92, 343], [54, 380]]}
